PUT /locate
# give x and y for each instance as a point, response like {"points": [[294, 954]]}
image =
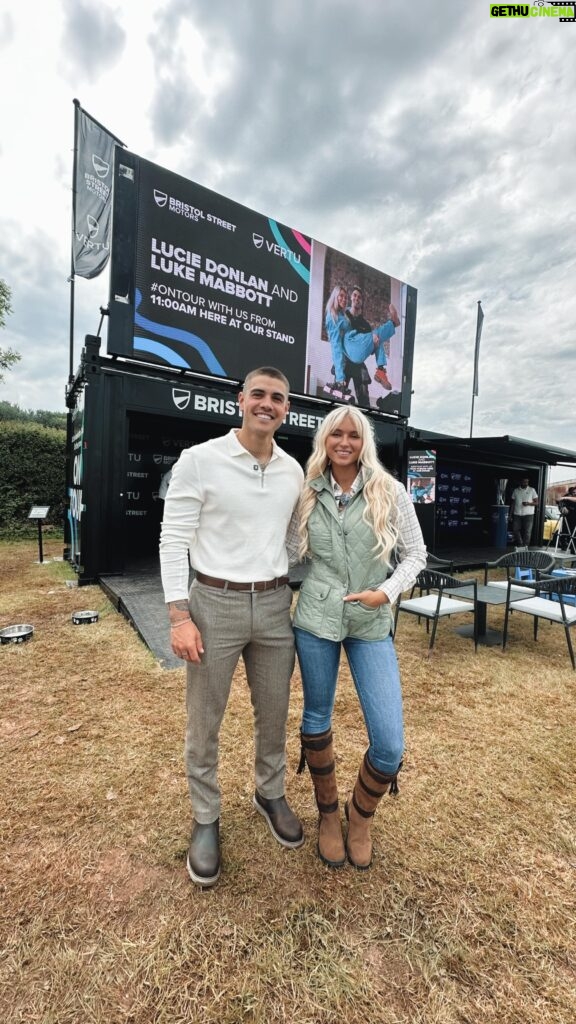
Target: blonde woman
{"points": [[356, 345], [360, 531]]}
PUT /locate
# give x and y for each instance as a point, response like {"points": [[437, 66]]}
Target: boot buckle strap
{"points": [[327, 808], [311, 743], [361, 811], [326, 769]]}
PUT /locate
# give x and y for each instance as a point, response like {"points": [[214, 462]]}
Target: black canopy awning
{"points": [[512, 449]]}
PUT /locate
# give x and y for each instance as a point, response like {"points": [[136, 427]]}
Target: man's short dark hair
{"points": [[267, 371]]}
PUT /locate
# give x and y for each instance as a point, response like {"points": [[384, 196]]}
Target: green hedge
{"points": [[32, 472]]}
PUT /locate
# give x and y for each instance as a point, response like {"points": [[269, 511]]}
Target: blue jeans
{"points": [[374, 669], [358, 346]]}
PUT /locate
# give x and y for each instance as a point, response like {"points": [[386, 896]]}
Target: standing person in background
{"points": [[230, 504], [356, 523], [569, 499], [568, 504], [524, 501]]}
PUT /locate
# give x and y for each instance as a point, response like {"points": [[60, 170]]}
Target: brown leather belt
{"points": [[213, 581]]}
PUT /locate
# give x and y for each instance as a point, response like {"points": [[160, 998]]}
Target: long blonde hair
{"points": [[332, 308], [379, 485]]}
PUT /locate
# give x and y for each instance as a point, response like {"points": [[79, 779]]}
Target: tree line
{"points": [[32, 454]]}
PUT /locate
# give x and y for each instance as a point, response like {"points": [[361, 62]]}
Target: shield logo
{"points": [[180, 398], [258, 240], [158, 459], [160, 197], [100, 165], [93, 226]]}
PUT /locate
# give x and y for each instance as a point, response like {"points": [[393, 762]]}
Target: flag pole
{"points": [[84, 268], [71, 278], [479, 322]]}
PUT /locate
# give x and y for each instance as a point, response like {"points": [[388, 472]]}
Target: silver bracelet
{"points": [[174, 625]]}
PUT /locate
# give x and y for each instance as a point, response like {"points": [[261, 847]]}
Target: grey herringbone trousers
{"points": [[257, 627]]}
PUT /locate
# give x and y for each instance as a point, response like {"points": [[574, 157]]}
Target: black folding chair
{"points": [[438, 565], [539, 561], [554, 600], [434, 603]]}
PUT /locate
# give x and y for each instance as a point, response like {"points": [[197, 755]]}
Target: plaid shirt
{"points": [[410, 551]]}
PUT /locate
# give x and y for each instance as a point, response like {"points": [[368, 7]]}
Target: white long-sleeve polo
{"points": [[230, 514]]}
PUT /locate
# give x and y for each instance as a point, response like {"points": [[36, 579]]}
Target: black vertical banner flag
{"points": [[92, 209], [479, 322]]}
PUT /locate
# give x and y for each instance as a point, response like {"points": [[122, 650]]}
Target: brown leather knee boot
{"points": [[318, 754], [369, 789]]}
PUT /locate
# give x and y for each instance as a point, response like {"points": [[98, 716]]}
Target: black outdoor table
{"points": [[488, 594]]}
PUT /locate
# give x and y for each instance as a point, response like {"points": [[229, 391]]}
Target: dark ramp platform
{"points": [[139, 596]]}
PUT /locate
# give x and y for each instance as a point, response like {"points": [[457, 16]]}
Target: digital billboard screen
{"points": [[422, 477], [203, 284]]}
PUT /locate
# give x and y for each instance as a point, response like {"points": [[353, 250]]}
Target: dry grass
{"points": [[467, 917]]}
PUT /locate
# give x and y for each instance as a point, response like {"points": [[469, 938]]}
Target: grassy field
{"points": [[468, 915]]}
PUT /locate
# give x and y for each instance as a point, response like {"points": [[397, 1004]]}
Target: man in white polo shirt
{"points": [[524, 501], [231, 506]]}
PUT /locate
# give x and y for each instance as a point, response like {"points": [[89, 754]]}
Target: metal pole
{"points": [[40, 552], [71, 278], [479, 322]]}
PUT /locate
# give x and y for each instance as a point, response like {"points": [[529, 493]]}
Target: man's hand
{"points": [[371, 598], [186, 640], [185, 636], [394, 315]]}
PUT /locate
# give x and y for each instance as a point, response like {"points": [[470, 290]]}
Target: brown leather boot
{"points": [[318, 754], [360, 808], [382, 377]]}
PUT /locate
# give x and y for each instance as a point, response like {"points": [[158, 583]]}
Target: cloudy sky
{"points": [[427, 139]]}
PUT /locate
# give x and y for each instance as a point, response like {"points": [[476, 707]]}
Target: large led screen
{"points": [[204, 284]]}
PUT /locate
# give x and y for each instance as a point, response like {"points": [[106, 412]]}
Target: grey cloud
{"points": [[39, 326], [175, 109], [30, 265], [93, 38], [307, 78]]}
